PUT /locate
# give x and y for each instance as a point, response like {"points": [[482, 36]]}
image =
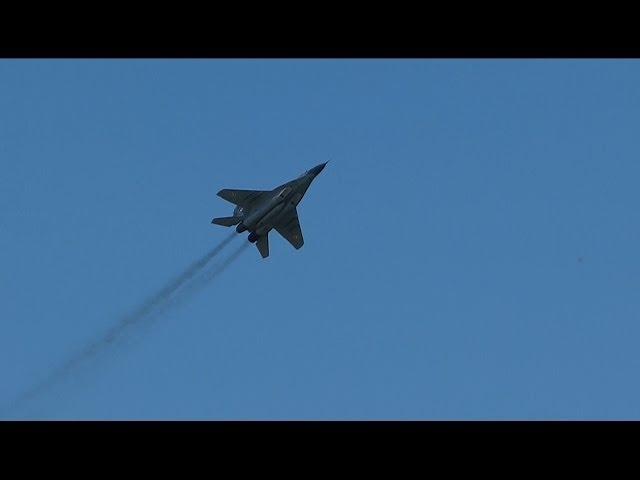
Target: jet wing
{"points": [[290, 229], [244, 198]]}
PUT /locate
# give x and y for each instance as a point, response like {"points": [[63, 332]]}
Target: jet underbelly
{"points": [[267, 222], [274, 217], [296, 198]]}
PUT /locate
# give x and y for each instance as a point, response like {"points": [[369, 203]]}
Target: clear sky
{"points": [[471, 250]]}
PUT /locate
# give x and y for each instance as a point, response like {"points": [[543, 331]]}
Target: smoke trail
{"points": [[163, 295], [190, 289], [201, 281], [157, 303]]}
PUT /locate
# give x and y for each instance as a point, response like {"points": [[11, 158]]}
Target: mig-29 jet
{"points": [[260, 211]]}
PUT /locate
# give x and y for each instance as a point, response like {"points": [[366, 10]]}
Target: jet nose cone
{"points": [[317, 169]]}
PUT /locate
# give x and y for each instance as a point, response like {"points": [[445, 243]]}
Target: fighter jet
{"points": [[260, 211]]}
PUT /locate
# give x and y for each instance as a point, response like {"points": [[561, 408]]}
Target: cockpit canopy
{"points": [[238, 211]]}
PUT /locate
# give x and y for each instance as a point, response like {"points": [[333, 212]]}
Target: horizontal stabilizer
{"points": [[226, 221], [263, 245]]}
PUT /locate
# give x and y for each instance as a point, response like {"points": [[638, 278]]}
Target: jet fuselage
{"points": [[279, 204]]}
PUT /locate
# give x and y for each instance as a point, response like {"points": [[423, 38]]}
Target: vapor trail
{"points": [[157, 303]]}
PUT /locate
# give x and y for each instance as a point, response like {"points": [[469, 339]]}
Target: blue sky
{"points": [[470, 250]]}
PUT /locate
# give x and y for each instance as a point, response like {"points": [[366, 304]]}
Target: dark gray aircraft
{"points": [[260, 211]]}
